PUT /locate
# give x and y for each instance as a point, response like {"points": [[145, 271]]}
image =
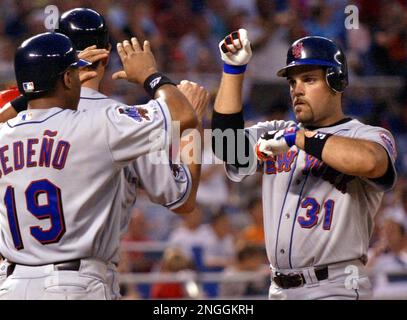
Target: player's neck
{"points": [[92, 84], [48, 103], [331, 119]]}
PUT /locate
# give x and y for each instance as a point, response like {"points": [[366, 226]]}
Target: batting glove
{"points": [[275, 142], [235, 51]]}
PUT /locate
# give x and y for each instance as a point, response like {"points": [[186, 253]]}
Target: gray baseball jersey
{"points": [[165, 183], [313, 214], [60, 180]]}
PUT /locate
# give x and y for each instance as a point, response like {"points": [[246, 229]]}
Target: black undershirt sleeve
{"points": [[19, 104], [230, 128]]}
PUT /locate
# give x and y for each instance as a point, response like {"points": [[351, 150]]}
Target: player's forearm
{"points": [[7, 113], [179, 106], [351, 156], [229, 97], [194, 159], [190, 203]]}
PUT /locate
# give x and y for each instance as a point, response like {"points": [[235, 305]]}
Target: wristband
{"points": [[154, 81], [290, 134], [314, 145], [228, 68]]}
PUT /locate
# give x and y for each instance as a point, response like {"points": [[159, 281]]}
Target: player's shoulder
{"points": [[359, 127], [353, 127], [93, 100]]}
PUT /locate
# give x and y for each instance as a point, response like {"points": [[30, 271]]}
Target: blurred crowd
{"points": [[225, 233]]}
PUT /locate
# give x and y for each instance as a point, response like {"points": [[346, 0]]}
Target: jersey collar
{"points": [[88, 93], [344, 120]]}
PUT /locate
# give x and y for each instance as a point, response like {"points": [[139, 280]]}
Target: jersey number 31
{"points": [[52, 210]]}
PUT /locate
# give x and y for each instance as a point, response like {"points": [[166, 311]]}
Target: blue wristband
{"points": [[228, 68], [290, 134]]}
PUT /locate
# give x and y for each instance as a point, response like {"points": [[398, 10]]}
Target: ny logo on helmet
{"points": [[297, 49]]}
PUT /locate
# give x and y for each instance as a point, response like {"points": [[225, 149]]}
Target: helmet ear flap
{"points": [[337, 79]]}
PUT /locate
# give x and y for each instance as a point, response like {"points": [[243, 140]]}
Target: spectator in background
{"points": [[128, 291], [213, 191], [189, 234], [389, 48], [398, 211], [269, 34], [138, 231], [200, 47], [249, 259], [16, 23], [323, 21], [217, 16], [174, 260], [7, 49], [253, 234], [388, 261], [218, 243]]}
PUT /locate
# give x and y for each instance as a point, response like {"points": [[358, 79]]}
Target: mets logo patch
{"points": [[137, 113], [389, 144], [297, 50]]}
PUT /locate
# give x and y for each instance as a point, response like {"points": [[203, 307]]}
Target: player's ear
{"points": [[68, 78], [105, 61]]}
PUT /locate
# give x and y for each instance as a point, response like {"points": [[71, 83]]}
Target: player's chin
{"points": [[301, 116]]}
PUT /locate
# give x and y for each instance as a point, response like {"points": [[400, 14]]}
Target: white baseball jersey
{"points": [[60, 178], [313, 214], [165, 183]]}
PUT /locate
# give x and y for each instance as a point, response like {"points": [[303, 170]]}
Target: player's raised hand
{"points": [[275, 142], [197, 95], [138, 63], [91, 54], [235, 49]]}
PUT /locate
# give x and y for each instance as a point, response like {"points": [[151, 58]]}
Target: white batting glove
{"points": [[275, 142], [235, 49]]}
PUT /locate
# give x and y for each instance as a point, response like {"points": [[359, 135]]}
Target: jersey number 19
{"points": [[52, 210]]}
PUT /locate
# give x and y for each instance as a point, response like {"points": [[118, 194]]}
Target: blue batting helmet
{"points": [[85, 27], [40, 60], [319, 51]]}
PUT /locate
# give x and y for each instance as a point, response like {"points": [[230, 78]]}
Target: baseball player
{"points": [[323, 176], [169, 185], [60, 182]]}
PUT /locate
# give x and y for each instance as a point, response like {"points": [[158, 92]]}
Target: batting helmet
{"points": [[85, 27], [40, 60], [319, 51]]}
